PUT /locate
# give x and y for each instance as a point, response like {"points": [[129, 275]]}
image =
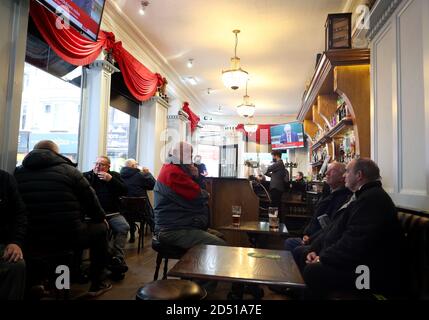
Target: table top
{"points": [[236, 264], [257, 227]]}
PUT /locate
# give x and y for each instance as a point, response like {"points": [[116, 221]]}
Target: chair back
{"points": [[135, 209]]}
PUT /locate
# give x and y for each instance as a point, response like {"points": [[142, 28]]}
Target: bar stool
{"points": [[165, 252]]}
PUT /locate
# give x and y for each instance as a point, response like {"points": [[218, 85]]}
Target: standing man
{"points": [[109, 187], [202, 171], [277, 172], [13, 227], [138, 182]]}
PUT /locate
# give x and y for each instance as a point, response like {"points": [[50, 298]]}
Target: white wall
{"points": [[400, 103]]}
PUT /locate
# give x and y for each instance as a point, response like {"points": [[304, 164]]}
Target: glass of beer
{"points": [[236, 214], [273, 217]]}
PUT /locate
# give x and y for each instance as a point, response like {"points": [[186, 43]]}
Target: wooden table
{"points": [[233, 264], [256, 229]]}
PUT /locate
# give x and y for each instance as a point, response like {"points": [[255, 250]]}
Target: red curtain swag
{"points": [[262, 135], [192, 116], [72, 47]]}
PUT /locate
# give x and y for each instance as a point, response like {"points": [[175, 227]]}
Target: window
{"points": [[50, 110], [121, 138]]}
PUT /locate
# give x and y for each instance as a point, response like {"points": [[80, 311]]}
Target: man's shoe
{"points": [[117, 266], [98, 289]]}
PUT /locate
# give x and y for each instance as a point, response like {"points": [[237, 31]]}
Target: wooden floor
{"points": [[141, 270]]}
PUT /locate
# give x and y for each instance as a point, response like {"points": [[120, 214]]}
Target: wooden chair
{"points": [[135, 210]]}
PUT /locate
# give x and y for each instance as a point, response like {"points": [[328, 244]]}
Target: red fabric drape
{"points": [[67, 43], [262, 135], [192, 116], [72, 47], [141, 82]]}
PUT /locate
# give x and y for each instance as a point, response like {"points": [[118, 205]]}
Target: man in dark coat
{"points": [[138, 182], [325, 207], [57, 198], [365, 232], [109, 188], [13, 228], [277, 173]]}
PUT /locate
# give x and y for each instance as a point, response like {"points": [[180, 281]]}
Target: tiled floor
{"points": [[141, 270]]}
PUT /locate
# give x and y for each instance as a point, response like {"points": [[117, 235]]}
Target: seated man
{"points": [[181, 211], [58, 197], [138, 182], [364, 232], [325, 207], [109, 187], [12, 232]]}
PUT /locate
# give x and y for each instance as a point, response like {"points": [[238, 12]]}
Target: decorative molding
{"points": [[157, 99], [114, 19], [328, 62], [380, 14], [103, 65]]}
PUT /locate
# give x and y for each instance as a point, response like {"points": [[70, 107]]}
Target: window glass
{"points": [[50, 110], [121, 138]]}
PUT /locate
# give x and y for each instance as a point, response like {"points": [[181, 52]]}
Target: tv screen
{"points": [[84, 15], [287, 136]]}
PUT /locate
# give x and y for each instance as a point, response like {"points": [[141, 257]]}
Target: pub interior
{"points": [[227, 150]]}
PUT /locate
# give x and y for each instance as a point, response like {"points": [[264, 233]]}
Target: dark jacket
{"points": [[13, 214], [57, 196], [108, 193], [367, 233], [328, 205], [137, 182], [180, 203], [277, 172]]}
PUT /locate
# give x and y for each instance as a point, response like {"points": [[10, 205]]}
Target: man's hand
{"points": [[12, 253], [193, 170], [145, 170], [104, 176], [305, 240], [312, 257]]}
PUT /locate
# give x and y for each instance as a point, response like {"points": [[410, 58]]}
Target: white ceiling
{"points": [[277, 45]]}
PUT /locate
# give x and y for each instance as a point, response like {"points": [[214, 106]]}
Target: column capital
{"points": [[103, 65]]}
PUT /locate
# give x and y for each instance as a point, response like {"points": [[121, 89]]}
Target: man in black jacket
{"points": [[138, 182], [325, 207], [13, 228], [109, 187], [364, 232], [57, 198], [277, 173]]}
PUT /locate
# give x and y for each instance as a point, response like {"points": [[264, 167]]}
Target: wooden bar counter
{"points": [[228, 192]]}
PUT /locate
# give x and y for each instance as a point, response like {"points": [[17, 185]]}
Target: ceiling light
{"points": [[143, 7], [246, 109], [251, 128], [191, 80], [235, 77], [190, 63]]}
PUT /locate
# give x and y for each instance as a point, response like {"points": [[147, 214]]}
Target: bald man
{"points": [[181, 208], [325, 207]]}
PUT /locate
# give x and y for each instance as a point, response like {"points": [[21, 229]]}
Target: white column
{"points": [[95, 107], [152, 137]]}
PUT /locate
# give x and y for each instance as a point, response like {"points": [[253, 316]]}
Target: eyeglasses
{"points": [[100, 164]]}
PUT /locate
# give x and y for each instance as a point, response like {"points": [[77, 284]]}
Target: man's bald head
{"points": [[47, 145], [182, 152], [130, 163], [335, 175]]}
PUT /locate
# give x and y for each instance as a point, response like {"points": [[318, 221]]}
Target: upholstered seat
{"points": [[171, 289]]}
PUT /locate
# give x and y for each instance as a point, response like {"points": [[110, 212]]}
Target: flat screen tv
{"points": [[287, 136], [83, 15]]}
